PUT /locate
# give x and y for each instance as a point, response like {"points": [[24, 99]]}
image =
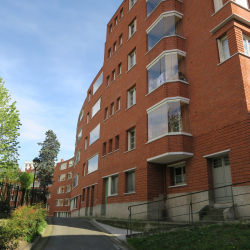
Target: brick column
{"points": [[235, 40]]}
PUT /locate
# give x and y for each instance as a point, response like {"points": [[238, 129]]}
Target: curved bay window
{"points": [[168, 67], [166, 25], [171, 116]]}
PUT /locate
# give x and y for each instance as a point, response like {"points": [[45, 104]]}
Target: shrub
{"points": [[25, 223]]}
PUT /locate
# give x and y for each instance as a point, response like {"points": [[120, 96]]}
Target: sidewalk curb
{"points": [[122, 244]]}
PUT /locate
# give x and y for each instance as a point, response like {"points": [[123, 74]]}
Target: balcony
{"points": [[170, 157]]}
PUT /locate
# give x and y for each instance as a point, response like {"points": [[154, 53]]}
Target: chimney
{"points": [[62, 160]]}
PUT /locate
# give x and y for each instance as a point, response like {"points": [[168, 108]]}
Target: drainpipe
{"points": [[165, 181], [79, 205]]}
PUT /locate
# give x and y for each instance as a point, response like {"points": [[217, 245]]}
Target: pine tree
{"points": [[48, 157]]}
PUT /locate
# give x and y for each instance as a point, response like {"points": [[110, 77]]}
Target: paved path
{"points": [[70, 234]]}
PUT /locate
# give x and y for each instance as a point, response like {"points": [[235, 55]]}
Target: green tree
{"points": [[26, 179], [9, 127], [48, 157]]}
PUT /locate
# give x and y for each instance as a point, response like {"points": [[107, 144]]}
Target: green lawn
{"points": [[214, 237]]}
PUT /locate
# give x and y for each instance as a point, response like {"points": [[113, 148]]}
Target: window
{"points": [[66, 203], [110, 28], [62, 177], [94, 134], [69, 175], [96, 107], [88, 118], [119, 68], [79, 135], [113, 75], [104, 148], [63, 166], [217, 5], [78, 156], [131, 3], [71, 163], [110, 146], [132, 28], [75, 181], [86, 143], [169, 117], [68, 188], [130, 182], [98, 83], [116, 21], [131, 139], [151, 5], [131, 97], [118, 104], [106, 114], [117, 142], [59, 203], [223, 49], [60, 190], [177, 174], [244, 3], [168, 67], [112, 109], [93, 164], [81, 114], [121, 13], [73, 203], [83, 169], [89, 95], [131, 59], [120, 39], [168, 25], [109, 53], [114, 47], [108, 81], [246, 42], [48, 196], [83, 194], [114, 185]]}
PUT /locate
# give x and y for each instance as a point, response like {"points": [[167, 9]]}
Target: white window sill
{"points": [[242, 54], [111, 195], [83, 176], [109, 153], [119, 46], [129, 150], [92, 172], [66, 205], [107, 87], [130, 107], [108, 59], [113, 52], [116, 150], [168, 134], [112, 81], [131, 68], [120, 19], [132, 7], [118, 75], [105, 119], [131, 36], [117, 111], [111, 116], [104, 156], [182, 185], [129, 193], [83, 202]]}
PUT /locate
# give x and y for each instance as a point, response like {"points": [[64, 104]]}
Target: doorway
{"points": [[221, 178]]}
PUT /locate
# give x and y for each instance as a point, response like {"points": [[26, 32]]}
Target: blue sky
{"points": [[50, 52]]}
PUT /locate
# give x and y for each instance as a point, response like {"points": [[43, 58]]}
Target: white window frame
{"points": [[106, 113], [132, 31], [67, 199], [120, 40], [222, 52], [77, 179], [120, 68], [131, 94], [78, 156], [64, 165], [60, 190], [68, 187], [79, 136], [97, 81], [179, 165], [116, 20], [59, 177], [110, 184], [86, 143], [88, 118], [112, 109], [89, 96], [113, 75], [115, 47], [98, 105], [81, 114], [119, 103], [70, 173], [57, 202], [127, 173], [247, 39], [129, 139], [71, 163], [245, 4], [132, 59], [96, 155], [97, 128], [132, 3], [217, 5]]}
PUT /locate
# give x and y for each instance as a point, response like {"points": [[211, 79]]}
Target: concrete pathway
{"points": [[78, 234]]}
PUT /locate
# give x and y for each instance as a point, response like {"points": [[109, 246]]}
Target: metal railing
{"points": [[226, 203]]}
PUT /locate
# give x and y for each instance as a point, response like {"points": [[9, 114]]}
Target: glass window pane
{"points": [[171, 64], [96, 107], [153, 76], [174, 117], [93, 164], [98, 83], [151, 5], [94, 134]]}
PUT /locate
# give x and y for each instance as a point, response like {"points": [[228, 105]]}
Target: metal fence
{"points": [[225, 203]]}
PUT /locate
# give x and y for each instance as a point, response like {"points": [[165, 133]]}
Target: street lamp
{"points": [[36, 162]]}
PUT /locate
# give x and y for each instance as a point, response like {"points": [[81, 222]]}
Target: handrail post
{"points": [[233, 201], [158, 215], [191, 210]]}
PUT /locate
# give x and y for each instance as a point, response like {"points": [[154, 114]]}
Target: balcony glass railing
{"points": [[171, 117], [169, 25], [170, 67], [151, 5]]}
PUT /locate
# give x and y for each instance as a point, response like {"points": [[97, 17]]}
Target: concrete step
{"points": [[212, 218], [212, 215]]}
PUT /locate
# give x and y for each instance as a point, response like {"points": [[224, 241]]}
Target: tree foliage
{"points": [[26, 180], [48, 157], [9, 127]]}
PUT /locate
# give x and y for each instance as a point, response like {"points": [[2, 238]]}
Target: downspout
{"points": [[79, 205]]}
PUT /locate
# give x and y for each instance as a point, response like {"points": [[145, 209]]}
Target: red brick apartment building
{"points": [[168, 113]]}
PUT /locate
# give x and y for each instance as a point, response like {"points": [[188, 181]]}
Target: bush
{"points": [[25, 223]]}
